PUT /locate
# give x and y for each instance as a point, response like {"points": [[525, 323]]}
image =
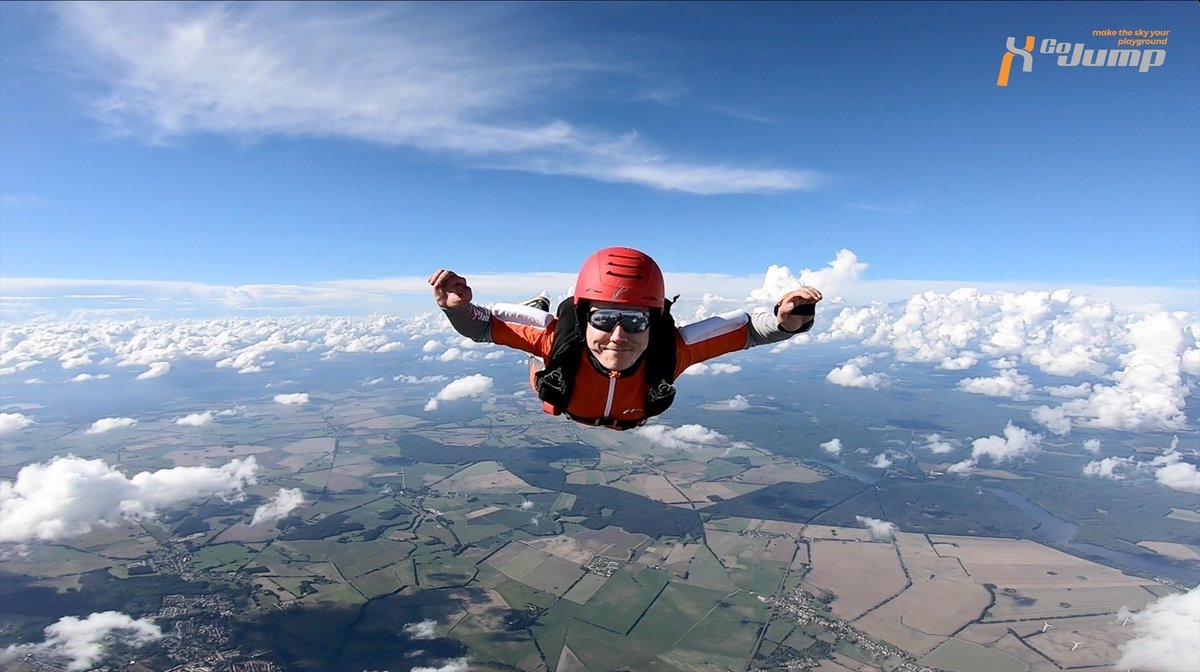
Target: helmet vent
{"points": [[631, 270]]}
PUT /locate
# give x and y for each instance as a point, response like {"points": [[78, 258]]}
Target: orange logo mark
{"points": [[1026, 55]]}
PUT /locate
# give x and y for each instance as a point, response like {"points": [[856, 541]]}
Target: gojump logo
{"points": [[1074, 54]]}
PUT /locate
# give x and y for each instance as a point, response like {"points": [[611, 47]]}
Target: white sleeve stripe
{"points": [[515, 313], [712, 327]]}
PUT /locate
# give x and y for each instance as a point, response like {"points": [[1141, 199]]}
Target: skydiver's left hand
{"points": [[802, 296]]}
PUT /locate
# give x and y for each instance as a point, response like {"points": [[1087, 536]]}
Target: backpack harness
{"points": [[555, 383]]}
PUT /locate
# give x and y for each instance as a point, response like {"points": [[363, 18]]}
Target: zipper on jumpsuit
{"points": [[612, 388]]}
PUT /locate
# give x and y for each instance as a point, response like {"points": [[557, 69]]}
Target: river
{"points": [[1061, 533]]}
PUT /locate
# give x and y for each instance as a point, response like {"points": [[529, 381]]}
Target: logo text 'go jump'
{"points": [[1074, 54]]}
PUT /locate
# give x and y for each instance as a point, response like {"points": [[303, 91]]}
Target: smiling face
{"points": [[619, 349]]}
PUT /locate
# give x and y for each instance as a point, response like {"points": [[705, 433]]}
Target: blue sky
{"points": [[277, 145]]}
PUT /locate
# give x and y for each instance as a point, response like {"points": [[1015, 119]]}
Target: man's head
{"points": [[617, 335], [618, 293]]}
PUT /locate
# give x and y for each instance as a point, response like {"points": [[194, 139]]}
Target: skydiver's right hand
{"points": [[450, 289]]}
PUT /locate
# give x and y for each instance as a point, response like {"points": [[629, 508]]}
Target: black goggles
{"points": [[607, 319]]}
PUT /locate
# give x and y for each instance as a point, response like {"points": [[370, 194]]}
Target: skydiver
{"points": [[610, 356]]}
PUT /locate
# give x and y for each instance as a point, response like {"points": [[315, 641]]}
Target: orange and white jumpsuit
{"points": [[598, 394]]}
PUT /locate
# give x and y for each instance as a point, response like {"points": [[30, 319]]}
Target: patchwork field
{"points": [[859, 574]]}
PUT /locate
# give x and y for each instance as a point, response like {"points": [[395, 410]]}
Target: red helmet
{"points": [[621, 275]]}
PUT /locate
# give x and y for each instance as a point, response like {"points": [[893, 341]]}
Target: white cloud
{"points": [[284, 502], [82, 643], [469, 386], [1008, 384], [423, 78], [84, 377], [66, 496], [1148, 392], [844, 270], [1171, 471], [1069, 391], [1053, 419], [1092, 446], [432, 345], [1165, 635], [712, 369], [737, 403], [11, 422], [196, 419], [881, 461], [1016, 442], [295, 399], [426, 629], [833, 447], [413, 380], [937, 445], [850, 375], [1109, 467], [156, 369], [108, 424], [685, 436], [453, 665], [880, 530], [526, 505]]}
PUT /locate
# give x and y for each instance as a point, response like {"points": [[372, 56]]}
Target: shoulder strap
{"points": [[555, 383], [660, 362]]}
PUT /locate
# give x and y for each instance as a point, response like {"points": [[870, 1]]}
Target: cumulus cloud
{"points": [[851, 375], [833, 447], [1008, 383], [11, 422], [937, 445], [469, 386], [196, 419], [881, 461], [880, 530], [685, 436], [1109, 467], [1053, 419], [1171, 471], [295, 399], [156, 369], [426, 629], [67, 496], [284, 502], [1148, 392], [1016, 442], [711, 369], [81, 643], [414, 380], [526, 505], [453, 665], [1092, 446], [844, 270], [1164, 635], [108, 424], [85, 377], [737, 403]]}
